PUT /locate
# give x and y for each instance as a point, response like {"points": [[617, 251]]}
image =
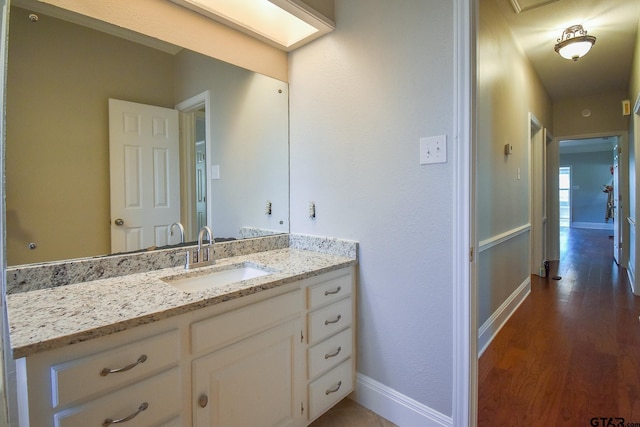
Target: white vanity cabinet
{"points": [[280, 357], [254, 381], [330, 307], [103, 382]]}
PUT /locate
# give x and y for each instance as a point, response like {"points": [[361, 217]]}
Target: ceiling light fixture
{"points": [[574, 43], [285, 24]]}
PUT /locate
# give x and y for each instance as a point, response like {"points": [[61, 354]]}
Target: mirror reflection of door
{"points": [[144, 177], [194, 149], [201, 170]]}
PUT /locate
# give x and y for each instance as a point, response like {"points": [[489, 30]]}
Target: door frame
{"points": [[623, 178], [465, 239], [537, 214], [196, 102]]}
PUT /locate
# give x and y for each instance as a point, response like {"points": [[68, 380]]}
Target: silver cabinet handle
{"points": [[119, 222], [333, 390], [334, 354], [327, 293], [327, 322], [107, 371], [107, 422]]}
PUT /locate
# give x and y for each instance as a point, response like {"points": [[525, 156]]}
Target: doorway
{"points": [[592, 186], [195, 153]]}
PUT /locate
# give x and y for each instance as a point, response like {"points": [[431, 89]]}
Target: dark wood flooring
{"points": [[571, 352]]}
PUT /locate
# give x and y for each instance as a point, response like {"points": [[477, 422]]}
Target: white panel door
{"points": [[145, 174], [201, 184], [617, 206]]}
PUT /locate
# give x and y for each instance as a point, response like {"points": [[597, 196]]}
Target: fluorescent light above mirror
{"points": [[285, 24]]}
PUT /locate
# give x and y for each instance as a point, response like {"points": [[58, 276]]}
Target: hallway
{"points": [[571, 352]]}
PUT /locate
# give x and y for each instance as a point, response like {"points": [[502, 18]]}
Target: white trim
{"points": [[464, 317], [492, 326], [502, 237], [396, 407], [631, 264], [592, 225]]}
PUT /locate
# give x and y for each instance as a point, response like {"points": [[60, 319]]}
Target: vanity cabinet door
{"points": [[258, 381]]}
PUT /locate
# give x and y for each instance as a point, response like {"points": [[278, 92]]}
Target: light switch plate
{"points": [[433, 150], [215, 172]]}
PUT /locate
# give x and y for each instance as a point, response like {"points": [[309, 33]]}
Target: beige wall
{"points": [[508, 90], [59, 80], [606, 115], [167, 21]]}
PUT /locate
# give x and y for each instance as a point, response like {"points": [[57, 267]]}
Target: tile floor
{"points": [[348, 413]]}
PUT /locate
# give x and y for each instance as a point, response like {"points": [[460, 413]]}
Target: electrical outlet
{"points": [[433, 150]]}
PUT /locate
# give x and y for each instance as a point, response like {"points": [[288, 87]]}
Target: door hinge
{"points": [[471, 254], [301, 336], [301, 408]]}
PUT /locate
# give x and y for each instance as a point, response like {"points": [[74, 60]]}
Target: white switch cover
{"points": [[215, 172], [433, 150]]}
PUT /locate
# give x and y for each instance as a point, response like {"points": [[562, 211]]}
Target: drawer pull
{"points": [[337, 352], [327, 322], [109, 421], [327, 293], [333, 390], [107, 371]]}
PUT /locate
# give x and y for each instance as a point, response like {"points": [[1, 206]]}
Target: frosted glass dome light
{"points": [[574, 43]]}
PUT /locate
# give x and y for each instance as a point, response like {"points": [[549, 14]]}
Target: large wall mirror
{"points": [[61, 76]]}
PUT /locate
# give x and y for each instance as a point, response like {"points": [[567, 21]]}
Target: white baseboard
{"points": [[490, 328], [593, 225], [396, 407], [631, 277]]}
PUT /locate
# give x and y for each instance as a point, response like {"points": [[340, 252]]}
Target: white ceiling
{"points": [[588, 145], [607, 67]]}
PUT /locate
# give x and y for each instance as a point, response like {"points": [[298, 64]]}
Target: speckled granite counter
{"points": [[50, 318]]}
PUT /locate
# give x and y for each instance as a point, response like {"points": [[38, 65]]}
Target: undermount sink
{"points": [[201, 280]]}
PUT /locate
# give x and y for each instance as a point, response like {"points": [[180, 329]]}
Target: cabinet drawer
{"points": [[329, 291], [330, 388], [328, 353], [80, 378], [329, 320], [235, 325], [161, 393]]}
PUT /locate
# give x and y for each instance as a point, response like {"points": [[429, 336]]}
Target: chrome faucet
{"points": [[203, 230], [180, 228], [203, 255]]}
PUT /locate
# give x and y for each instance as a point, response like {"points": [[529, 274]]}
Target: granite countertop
{"points": [[46, 319]]}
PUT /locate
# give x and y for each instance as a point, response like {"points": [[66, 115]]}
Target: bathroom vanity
{"points": [[135, 350]]}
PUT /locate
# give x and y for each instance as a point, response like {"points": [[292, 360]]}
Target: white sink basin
{"points": [[198, 281]]}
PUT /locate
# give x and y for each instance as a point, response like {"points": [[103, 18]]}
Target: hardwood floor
{"points": [[571, 352]]}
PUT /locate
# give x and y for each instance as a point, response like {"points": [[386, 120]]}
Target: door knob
{"points": [[118, 222], [203, 401]]}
